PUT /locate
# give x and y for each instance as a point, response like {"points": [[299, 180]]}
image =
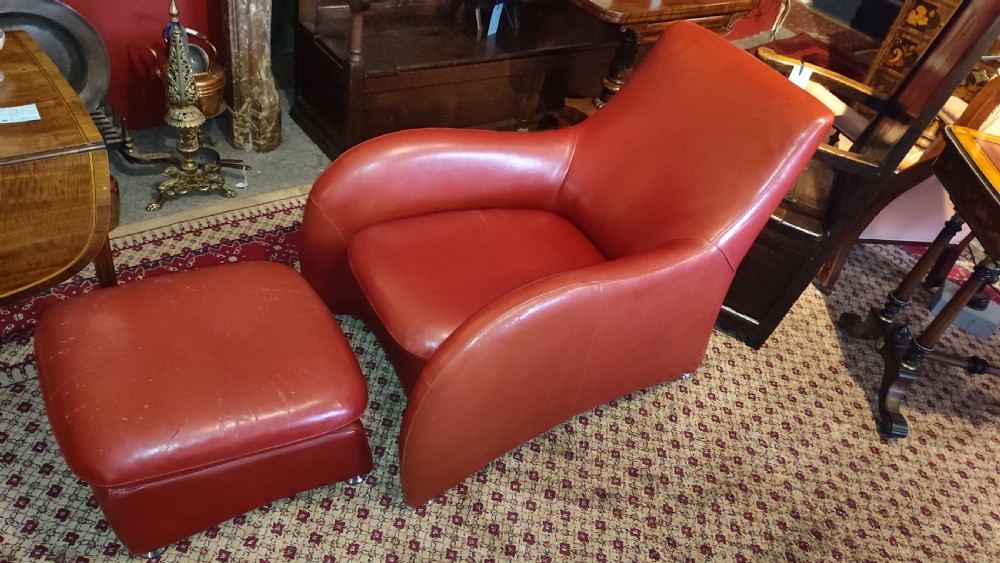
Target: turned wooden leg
{"points": [[621, 67], [939, 272], [874, 324], [900, 297], [900, 373], [896, 186], [105, 265]]}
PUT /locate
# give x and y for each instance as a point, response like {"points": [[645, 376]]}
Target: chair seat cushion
{"points": [[179, 372], [426, 275]]}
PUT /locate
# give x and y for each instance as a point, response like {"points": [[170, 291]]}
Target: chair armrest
{"points": [[836, 83], [419, 172], [847, 161], [552, 349]]}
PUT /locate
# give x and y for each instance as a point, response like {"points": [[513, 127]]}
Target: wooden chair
{"points": [[903, 181], [841, 185]]}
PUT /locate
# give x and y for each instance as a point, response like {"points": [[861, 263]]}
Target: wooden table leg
{"points": [[872, 326], [904, 370], [621, 66], [105, 265], [901, 353]]}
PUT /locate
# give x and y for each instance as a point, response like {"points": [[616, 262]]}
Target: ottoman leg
{"points": [[150, 554]]}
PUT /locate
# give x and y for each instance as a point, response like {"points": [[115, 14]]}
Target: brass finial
{"points": [[183, 115]]}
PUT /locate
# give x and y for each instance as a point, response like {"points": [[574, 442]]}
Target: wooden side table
{"points": [[55, 182], [642, 21], [969, 169]]}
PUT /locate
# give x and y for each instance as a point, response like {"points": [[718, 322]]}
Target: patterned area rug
{"points": [[762, 456]]}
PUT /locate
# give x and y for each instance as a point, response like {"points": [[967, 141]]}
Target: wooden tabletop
{"points": [[30, 77], [55, 183], [651, 11], [969, 168]]}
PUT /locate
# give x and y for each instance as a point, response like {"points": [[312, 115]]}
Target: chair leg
{"points": [[899, 183]]}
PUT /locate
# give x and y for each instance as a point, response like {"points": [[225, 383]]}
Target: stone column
{"points": [[256, 112]]}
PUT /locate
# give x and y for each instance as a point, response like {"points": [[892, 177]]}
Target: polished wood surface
{"points": [[626, 12], [363, 72], [970, 169], [55, 184], [641, 22]]}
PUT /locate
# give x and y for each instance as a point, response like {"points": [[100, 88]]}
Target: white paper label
{"points": [[19, 113], [800, 76]]}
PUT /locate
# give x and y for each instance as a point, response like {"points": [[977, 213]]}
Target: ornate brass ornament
{"points": [[182, 96]]}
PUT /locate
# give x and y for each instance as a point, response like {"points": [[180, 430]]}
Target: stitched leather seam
{"points": [[208, 465], [590, 348], [570, 158], [767, 188]]}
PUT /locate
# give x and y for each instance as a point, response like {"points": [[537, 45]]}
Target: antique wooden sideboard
{"points": [[364, 68], [363, 71], [56, 201]]}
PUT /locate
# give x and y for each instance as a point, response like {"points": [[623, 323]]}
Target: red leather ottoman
{"points": [[190, 398]]}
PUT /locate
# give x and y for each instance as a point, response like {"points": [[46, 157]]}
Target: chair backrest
{"points": [[913, 105], [703, 141], [923, 92]]}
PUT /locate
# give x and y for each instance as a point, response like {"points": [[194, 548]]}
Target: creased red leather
{"points": [[671, 182], [174, 417], [190, 398], [426, 275]]}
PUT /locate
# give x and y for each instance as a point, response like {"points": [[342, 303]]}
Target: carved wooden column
{"points": [[256, 112]]}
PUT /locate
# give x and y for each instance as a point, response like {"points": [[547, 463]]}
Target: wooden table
{"points": [[969, 169], [55, 183], [642, 21]]}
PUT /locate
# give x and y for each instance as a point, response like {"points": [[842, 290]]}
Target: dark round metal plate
{"points": [[68, 39]]}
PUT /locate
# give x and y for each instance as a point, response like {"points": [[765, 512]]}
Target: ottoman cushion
{"points": [[190, 398], [191, 369]]}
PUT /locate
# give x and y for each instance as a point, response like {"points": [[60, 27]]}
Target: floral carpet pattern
{"points": [[768, 455]]}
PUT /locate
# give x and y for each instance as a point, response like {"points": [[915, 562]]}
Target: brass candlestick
{"points": [[183, 115]]}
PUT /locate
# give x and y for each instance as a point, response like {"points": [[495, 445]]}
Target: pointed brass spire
{"points": [[184, 115]]}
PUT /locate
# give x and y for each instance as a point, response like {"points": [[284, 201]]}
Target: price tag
{"points": [[19, 114], [494, 19], [800, 75]]}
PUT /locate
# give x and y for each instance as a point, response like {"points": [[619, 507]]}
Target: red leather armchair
{"points": [[518, 279]]}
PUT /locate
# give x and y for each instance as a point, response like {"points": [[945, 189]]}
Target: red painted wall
{"points": [[127, 29]]}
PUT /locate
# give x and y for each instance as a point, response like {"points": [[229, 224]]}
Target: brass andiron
{"points": [[183, 115]]}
